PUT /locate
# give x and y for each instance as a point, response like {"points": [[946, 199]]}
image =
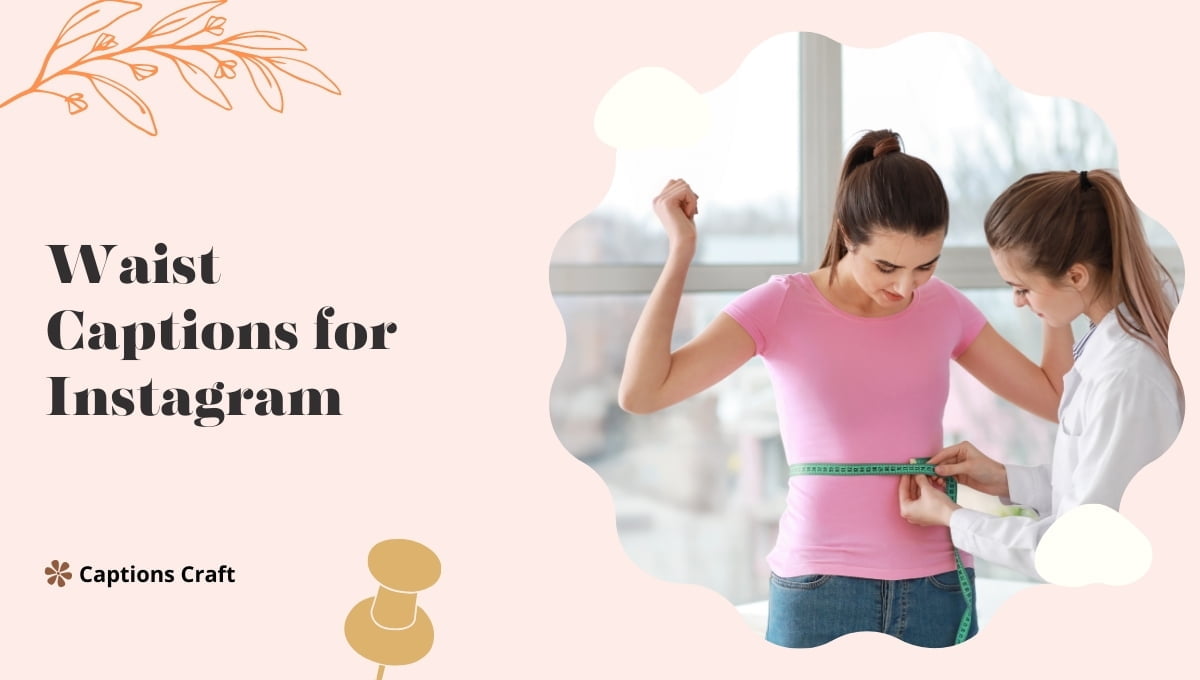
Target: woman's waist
{"points": [[852, 506], [866, 447]]}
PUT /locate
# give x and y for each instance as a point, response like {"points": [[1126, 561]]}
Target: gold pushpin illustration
{"points": [[390, 629]]}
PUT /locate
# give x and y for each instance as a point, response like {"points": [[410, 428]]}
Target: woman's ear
{"points": [[1078, 276], [842, 235]]}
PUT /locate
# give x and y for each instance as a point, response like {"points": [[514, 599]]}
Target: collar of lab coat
{"points": [[1111, 346], [1097, 347], [1100, 350]]}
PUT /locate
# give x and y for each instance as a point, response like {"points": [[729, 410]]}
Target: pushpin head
{"points": [[402, 565]]}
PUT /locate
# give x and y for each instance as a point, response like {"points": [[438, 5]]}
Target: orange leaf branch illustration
{"points": [[190, 39], [122, 100]]}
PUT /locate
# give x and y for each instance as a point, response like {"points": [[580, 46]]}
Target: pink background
{"points": [[432, 194]]}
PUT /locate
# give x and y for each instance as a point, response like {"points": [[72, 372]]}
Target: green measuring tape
{"points": [[920, 467]]}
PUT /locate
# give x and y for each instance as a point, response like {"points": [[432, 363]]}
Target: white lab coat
{"points": [[1120, 410]]}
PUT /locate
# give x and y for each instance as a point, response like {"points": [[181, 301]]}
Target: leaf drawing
{"points": [[201, 83], [125, 102], [92, 19], [177, 39], [178, 19], [264, 81], [264, 40], [304, 71]]}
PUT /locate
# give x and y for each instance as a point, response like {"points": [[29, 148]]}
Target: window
{"points": [[747, 165], [698, 488]]}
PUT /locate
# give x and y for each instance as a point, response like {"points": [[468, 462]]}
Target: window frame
{"points": [[820, 61]]}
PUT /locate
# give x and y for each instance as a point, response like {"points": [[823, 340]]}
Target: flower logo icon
{"points": [[57, 571]]}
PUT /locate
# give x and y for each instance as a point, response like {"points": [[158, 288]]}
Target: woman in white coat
{"points": [[1070, 244]]}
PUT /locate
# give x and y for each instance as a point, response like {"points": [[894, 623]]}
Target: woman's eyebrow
{"points": [[885, 263]]}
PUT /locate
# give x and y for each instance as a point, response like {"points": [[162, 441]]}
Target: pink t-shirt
{"points": [[851, 389]]}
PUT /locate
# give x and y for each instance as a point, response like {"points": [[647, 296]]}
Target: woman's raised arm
{"points": [[654, 376]]}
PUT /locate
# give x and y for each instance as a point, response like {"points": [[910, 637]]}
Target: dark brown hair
{"points": [[1053, 220], [881, 187]]}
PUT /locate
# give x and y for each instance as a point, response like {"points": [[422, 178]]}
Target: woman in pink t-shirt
{"points": [[858, 353]]}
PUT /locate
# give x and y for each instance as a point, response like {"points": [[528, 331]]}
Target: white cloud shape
{"points": [[1092, 544], [652, 107]]}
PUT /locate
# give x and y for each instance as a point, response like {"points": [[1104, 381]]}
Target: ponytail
{"points": [[1138, 277], [882, 187], [1057, 219]]}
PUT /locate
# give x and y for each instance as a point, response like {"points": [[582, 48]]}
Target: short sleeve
{"points": [[757, 310], [970, 320]]}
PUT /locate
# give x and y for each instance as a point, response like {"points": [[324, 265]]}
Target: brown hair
{"points": [[881, 187], [1057, 219]]}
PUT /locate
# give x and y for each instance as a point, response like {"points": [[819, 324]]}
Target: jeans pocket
{"points": [[805, 582], [946, 581]]}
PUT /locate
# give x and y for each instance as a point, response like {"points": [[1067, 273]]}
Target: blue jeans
{"points": [[807, 611]]}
